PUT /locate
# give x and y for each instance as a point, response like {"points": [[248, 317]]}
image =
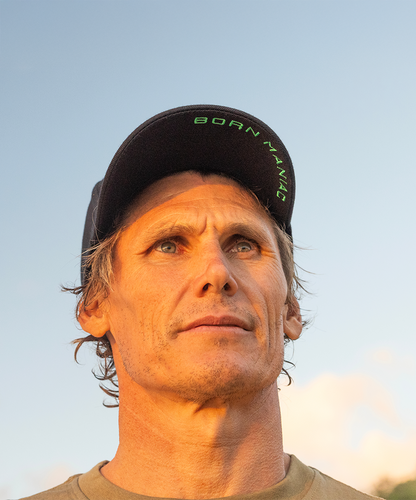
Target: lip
{"points": [[213, 321]]}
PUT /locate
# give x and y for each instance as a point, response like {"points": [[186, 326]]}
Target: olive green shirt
{"points": [[301, 483]]}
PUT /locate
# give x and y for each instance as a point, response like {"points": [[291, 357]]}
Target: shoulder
{"points": [[306, 483], [68, 490], [326, 488], [71, 489]]}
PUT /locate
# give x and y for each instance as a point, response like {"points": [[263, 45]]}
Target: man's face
{"points": [[197, 306]]}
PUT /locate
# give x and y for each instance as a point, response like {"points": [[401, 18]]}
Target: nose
{"points": [[214, 273]]}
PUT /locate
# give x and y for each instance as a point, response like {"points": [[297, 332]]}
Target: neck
{"points": [[166, 444]]}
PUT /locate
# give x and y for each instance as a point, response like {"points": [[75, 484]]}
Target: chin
{"points": [[223, 381]]}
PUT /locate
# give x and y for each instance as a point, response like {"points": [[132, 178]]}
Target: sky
{"points": [[335, 80]]}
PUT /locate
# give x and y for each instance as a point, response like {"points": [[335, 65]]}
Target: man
{"points": [[188, 290]]}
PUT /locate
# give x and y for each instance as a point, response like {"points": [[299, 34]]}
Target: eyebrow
{"points": [[165, 232]]}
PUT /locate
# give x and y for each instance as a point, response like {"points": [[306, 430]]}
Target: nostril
{"points": [[226, 287]]}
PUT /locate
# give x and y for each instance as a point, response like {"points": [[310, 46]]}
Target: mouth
{"points": [[215, 323]]}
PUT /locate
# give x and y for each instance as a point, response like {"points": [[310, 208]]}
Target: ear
{"points": [[93, 319], [292, 322]]}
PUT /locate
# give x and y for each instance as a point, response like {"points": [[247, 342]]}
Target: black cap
{"points": [[204, 138]]}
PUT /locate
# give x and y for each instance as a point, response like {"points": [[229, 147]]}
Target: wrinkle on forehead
{"points": [[192, 218], [173, 186]]}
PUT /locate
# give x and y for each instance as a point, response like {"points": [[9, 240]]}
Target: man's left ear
{"points": [[292, 323]]}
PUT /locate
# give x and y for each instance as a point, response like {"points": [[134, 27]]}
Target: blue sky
{"points": [[335, 80]]}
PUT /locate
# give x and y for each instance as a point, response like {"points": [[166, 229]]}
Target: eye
{"points": [[243, 245], [167, 247]]}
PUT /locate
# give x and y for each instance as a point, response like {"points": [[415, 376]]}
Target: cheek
{"points": [[270, 284], [141, 302], [133, 314], [137, 328], [271, 292]]}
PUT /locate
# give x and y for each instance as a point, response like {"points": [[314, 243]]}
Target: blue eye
{"points": [[244, 246], [167, 247]]}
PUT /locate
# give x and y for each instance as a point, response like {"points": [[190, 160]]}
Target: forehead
{"points": [[190, 190]]}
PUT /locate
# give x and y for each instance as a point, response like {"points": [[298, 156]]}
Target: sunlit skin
{"points": [[199, 410]]}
